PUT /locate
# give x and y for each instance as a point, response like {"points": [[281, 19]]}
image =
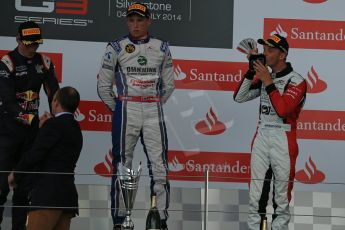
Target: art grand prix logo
{"points": [[60, 12], [308, 34], [310, 174], [211, 125], [314, 83]]}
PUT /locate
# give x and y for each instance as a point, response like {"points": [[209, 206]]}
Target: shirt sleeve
{"points": [[292, 98], [248, 89], [105, 78], [50, 83], [168, 81]]}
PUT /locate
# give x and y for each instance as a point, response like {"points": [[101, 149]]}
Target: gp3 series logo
{"points": [[55, 7], [59, 6]]}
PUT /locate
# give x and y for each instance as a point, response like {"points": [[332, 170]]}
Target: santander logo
{"points": [[314, 83], [208, 75], [211, 125], [105, 168], [321, 125], [179, 74], [223, 167], [308, 34], [315, 1], [310, 175], [93, 116], [79, 116], [279, 30], [175, 165]]}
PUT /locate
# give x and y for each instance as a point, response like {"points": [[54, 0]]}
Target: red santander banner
{"points": [[93, 116], [321, 125], [55, 57], [312, 124], [208, 75], [308, 34], [222, 167]]}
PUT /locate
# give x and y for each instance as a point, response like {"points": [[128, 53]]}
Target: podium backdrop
{"points": [[206, 128]]}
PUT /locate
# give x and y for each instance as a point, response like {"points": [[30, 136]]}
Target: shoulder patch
{"points": [[296, 78], [164, 46], [8, 62], [116, 46]]}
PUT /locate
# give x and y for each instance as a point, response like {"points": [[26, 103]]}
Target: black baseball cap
{"points": [[30, 33], [139, 9], [276, 41]]}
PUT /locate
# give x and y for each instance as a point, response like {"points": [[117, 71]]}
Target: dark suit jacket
{"points": [[56, 149]]}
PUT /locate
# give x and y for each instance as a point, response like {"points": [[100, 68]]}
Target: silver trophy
{"points": [[247, 45], [129, 181]]}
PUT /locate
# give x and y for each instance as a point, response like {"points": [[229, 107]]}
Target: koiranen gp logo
{"points": [[142, 60]]}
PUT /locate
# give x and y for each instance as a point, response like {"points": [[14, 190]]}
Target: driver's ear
{"points": [[282, 56]]}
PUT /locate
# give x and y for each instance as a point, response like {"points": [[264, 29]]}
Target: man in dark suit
{"points": [[54, 198]]}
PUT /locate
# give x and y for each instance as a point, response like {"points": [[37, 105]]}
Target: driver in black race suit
{"points": [[23, 72], [141, 68], [282, 94]]}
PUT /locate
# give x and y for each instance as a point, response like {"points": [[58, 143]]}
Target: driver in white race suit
{"points": [[141, 68], [282, 94]]}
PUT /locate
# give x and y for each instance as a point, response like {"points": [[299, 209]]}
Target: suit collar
{"points": [[63, 113]]}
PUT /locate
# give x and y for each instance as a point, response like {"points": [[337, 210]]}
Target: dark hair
{"points": [[69, 98]]}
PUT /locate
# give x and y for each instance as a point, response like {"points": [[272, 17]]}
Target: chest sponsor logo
{"points": [[142, 60], [310, 174], [208, 75], [22, 73], [21, 68], [141, 70], [308, 34], [4, 73]]}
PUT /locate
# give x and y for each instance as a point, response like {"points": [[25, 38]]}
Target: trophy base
{"points": [[127, 228], [128, 223]]}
